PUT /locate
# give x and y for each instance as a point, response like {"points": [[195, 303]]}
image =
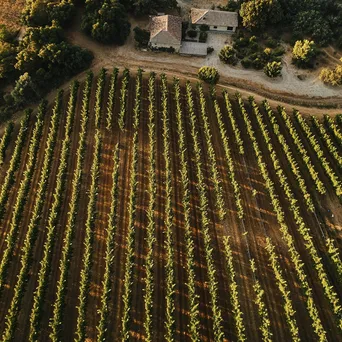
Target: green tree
{"points": [[7, 59], [304, 53], [227, 55], [106, 22], [24, 90], [273, 69], [257, 13], [208, 74]]}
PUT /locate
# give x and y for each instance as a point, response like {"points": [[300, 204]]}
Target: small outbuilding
{"points": [[221, 21], [166, 32]]}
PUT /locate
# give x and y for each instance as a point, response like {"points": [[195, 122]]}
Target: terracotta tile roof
{"points": [[214, 18], [166, 23]]}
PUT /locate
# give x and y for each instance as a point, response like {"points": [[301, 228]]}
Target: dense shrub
{"points": [[273, 69], [204, 28], [208, 74], [44, 12], [304, 53], [203, 37], [227, 55], [192, 33], [246, 63], [210, 49], [141, 37], [332, 76]]}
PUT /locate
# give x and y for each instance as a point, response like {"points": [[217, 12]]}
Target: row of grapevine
{"points": [[319, 153], [215, 177], [123, 98], [130, 238], [229, 158], [295, 256], [284, 290], [22, 193], [205, 221], [151, 230], [302, 150], [233, 122], [58, 306], [111, 97], [193, 297], [5, 140], [333, 128], [168, 219], [14, 162], [98, 97], [45, 264], [329, 143], [234, 294], [109, 255], [334, 254], [80, 334], [259, 292], [302, 228], [289, 156], [30, 238], [265, 327]]}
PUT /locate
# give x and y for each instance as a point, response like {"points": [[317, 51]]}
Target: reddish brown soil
{"points": [[259, 222]]}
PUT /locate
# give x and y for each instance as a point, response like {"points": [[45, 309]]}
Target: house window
{"points": [[215, 27], [230, 28]]}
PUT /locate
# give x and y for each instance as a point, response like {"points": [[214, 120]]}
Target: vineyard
{"points": [[138, 206]]}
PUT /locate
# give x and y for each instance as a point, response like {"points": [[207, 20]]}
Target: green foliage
{"points": [[80, 334], [59, 304], [8, 52], [44, 12], [106, 21], [168, 220], [215, 176], [205, 220], [333, 76], [9, 179], [193, 297], [287, 237], [5, 140], [143, 7], [30, 239], [204, 28], [228, 155], [192, 33], [45, 264], [208, 74], [111, 98], [24, 90], [123, 98], [273, 69], [304, 53], [256, 14], [141, 37], [203, 36], [227, 55]]}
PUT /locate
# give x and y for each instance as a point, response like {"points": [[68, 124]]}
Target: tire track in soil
{"points": [[15, 265], [27, 300], [61, 223]]}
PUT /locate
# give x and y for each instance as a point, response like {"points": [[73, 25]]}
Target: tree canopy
{"points": [[106, 21]]}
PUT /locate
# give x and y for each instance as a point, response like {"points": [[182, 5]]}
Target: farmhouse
{"points": [[166, 32], [221, 21]]}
